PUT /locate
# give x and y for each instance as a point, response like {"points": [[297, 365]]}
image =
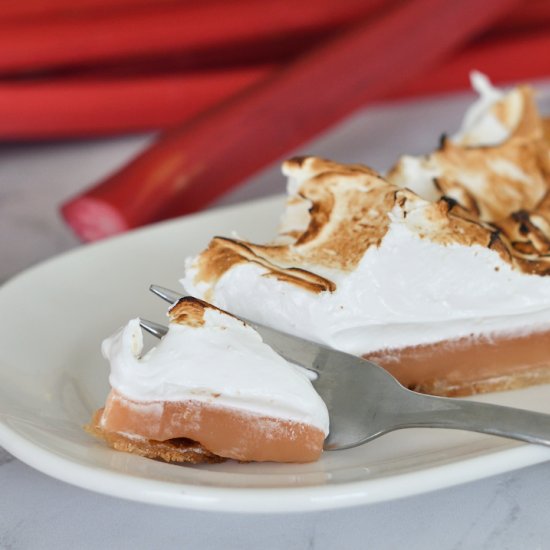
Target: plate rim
{"points": [[273, 500]]}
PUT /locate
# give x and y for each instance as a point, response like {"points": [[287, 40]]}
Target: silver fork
{"points": [[364, 401]]}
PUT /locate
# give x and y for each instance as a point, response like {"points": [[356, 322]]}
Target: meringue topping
{"points": [[448, 245]]}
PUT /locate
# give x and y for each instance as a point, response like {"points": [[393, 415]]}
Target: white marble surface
{"points": [[506, 511]]}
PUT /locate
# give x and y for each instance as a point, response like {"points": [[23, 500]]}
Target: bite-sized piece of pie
{"points": [[211, 389], [449, 291]]}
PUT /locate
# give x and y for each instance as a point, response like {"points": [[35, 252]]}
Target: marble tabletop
{"points": [[507, 511]]}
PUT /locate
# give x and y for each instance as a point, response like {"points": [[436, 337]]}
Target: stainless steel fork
{"points": [[364, 401]]}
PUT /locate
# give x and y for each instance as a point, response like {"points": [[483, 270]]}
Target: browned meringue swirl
{"points": [[335, 212], [503, 186], [349, 211], [190, 311]]}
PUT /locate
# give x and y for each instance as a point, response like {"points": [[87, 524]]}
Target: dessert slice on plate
{"points": [[210, 389], [439, 272]]}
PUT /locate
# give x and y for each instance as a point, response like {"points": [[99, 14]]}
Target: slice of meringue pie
{"points": [[211, 389], [440, 271]]}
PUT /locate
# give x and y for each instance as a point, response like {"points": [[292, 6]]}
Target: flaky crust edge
{"points": [[174, 450]]}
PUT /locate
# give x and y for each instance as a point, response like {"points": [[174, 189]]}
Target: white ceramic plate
{"points": [[52, 377]]}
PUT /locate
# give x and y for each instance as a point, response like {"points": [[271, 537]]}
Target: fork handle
{"points": [[441, 412]]}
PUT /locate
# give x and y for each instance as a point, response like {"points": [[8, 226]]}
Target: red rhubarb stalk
{"points": [[11, 10], [504, 60], [53, 42], [91, 107], [77, 108], [526, 16], [187, 168]]}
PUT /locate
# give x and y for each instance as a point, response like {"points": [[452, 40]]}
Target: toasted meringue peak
{"points": [[349, 210], [491, 173], [496, 170], [346, 212], [190, 311], [496, 116]]}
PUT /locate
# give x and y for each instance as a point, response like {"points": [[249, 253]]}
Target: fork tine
{"points": [[156, 329], [165, 293]]}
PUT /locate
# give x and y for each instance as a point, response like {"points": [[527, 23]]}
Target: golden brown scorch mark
{"points": [[223, 253], [190, 311]]}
